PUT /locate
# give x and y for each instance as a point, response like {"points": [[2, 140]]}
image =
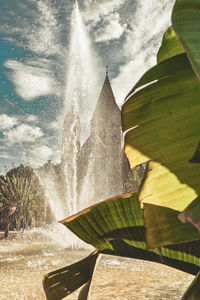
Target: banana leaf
{"points": [[162, 120], [186, 23], [61, 283], [170, 47], [116, 227]]}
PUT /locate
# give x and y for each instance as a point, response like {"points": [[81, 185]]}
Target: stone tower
{"points": [[102, 163]]}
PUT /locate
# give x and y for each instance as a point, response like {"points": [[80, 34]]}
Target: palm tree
{"points": [[21, 187]]}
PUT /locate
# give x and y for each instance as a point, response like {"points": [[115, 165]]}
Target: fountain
{"points": [[93, 166], [82, 78], [81, 89]]}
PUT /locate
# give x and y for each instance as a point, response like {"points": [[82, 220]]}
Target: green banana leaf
{"points": [[193, 292], [163, 124], [116, 227], [61, 283], [162, 71], [186, 23], [170, 47]]}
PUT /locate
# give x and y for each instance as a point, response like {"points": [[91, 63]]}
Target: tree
{"points": [[21, 187]]}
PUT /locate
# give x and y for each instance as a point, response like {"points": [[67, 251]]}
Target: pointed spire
{"points": [[106, 103], [106, 91]]}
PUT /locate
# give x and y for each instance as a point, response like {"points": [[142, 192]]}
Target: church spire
{"points": [[106, 104]]}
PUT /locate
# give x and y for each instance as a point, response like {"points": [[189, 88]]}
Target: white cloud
{"points": [[23, 134], [96, 10], [7, 122], [150, 21], [30, 81], [31, 25], [39, 155], [57, 157], [126, 79], [55, 125], [31, 118], [43, 38], [5, 155], [143, 40], [111, 29]]}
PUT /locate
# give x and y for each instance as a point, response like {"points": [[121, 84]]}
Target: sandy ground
{"points": [[25, 258]]}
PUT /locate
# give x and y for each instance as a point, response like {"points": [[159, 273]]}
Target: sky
{"points": [[34, 69]]}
